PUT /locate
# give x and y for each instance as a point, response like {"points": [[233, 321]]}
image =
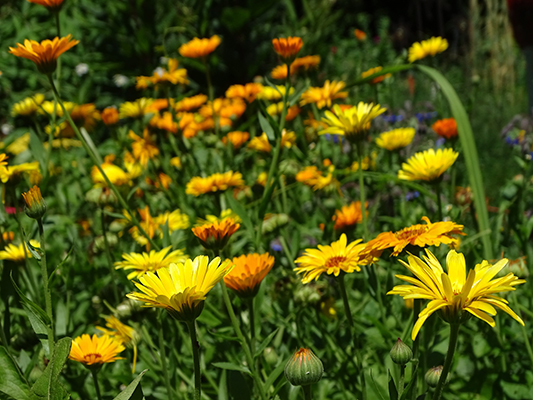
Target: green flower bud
{"points": [[401, 353], [304, 368], [433, 375]]}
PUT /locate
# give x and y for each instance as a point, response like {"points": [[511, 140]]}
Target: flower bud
{"points": [[303, 368], [35, 205], [433, 375], [401, 353]]}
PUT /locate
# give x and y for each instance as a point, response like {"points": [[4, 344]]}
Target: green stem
{"points": [[163, 359], [402, 381], [109, 257], [454, 334], [416, 345], [345, 301], [97, 164], [27, 266], [307, 392], [360, 156], [439, 200], [196, 359], [46, 289], [96, 386], [252, 324], [528, 345]]}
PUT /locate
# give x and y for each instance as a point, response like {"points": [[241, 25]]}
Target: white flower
{"points": [[6, 129], [81, 69], [120, 80]]}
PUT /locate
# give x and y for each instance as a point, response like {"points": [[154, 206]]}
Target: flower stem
{"points": [[346, 302], [109, 257], [360, 156], [307, 392], [402, 381], [252, 324], [439, 200], [196, 359], [163, 359], [96, 386], [46, 289], [454, 334], [416, 346]]}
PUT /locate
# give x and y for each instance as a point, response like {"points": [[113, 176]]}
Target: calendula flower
{"points": [[116, 175], [215, 235], [422, 235], [141, 263], [190, 103], [351, 122], [331, 259], [277, 109], [261, 143], [216, 182], [48, 107], [28, 106], [110, 116], [396, 139], [305, 63], [455, 292], [360, 35], [236, 138], [270, 93], [247, 92], [425, 48], [136, 109], [84, 115], [44, 54], [143, 148], [428, 165], [227, 108], [17, 253], [164, 122], [287, 47], [13, 172], [95, 350], [52, 5], [35, 205], [248, 273], [373, 71], [446, 128], [323, 96], [280, 72], [348, 216], [181, 289], [164, 77], [19, 145], [198, 48], [369, 162], [122, 333]]}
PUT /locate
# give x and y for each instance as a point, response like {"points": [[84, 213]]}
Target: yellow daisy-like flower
{"points": [[123, 333], [248, 273], [261, 143], [28, 106], [428, 165], [215, 235], [12, 172], [396, 139], [216, 182], [314, 178], [422, 235], [135, 109], [247, 92], [47, 108], [236, 138], [19, 145], [455, 292], [332, 259], [44, 54], [198, 48], [116, 175], [143, 148], [373, 71], [271, 94], [190, 103], [351, 122], [323, 96], [95, 350], [277, 109], [425, 48], [16, 253], [35, 204], [287, 47], [181, 288], [150, 262]]}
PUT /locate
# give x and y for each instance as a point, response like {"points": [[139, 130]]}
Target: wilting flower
{"points": [[143, 148], [236, 138], [428, 165], [197, 48], [149, 262], [52, 5], [287, 47], [323, 96], [422, 235], [215, 235], [216, 182], [28, 106], [44, 54], [123, 333], [190, 103], [425, 48], [35, 205], [95, 350], [110, 115], [348, 216], [181, 288], [373, 71], [396, 139], [352, 122], [332, 259], [360, 35], [248, 273], [455, 292], [136, 109], [446, 128], [247, 92]]}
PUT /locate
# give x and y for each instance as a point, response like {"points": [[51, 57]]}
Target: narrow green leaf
{"points": [[377, 390], [266, 127], [265, 343], [48, 385], [223, 386], [393, 392], [407, 391], [232, 367], [166, 235], [37, 149], [12, 384], [274, 375], [133, 391], [296, 96], [241, 212], [90, 143], [35, 252]]}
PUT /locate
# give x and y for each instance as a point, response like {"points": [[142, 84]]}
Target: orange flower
{"points": [[373, 71], [305, 63], [164, 122], [197, 48], [277, 109], [216, 182], [260, 143], [164, 77], [110, 115], [248, 272], [95, 350], [247, 92], [446, 128], [215, 235], [287, 47], [430, 234], [226, 108], [44, 54], [236, 138], [360, 35], [280, 72], [52, 5], [143, 148], [348, 215], [190, 103]]}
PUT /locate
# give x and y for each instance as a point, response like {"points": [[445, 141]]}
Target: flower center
{"points": [[411, 232], [92, 357], [333, 262]]}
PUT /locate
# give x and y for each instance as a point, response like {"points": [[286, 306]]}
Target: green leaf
{"points": [[296, 96], [91, 145], [48, 386], [409, 388], [375, 388], [274, 375], [223, 386], [393, 392], [38, 151], [265, 343], [266, 127], [12, 383], [35, 252], [241, 212], [133, 391], [166, 235], [232, 367]]}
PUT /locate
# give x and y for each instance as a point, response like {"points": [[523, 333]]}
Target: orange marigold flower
{"points": [[306, 63], [110, 115], [312, 177], [260, 143], [248, 273], [52, 5], [226, 108], [84, 115], [323, 96], [144, 148], [190, 103], [164, 122], [44, 54], [446, 128], [96, 349], [197, 48], [348, 215], [287, 47], [236, 138], [430, 234], [247, 92], [158, 105], [280, 72], [360, 35], [373, 71], [277, 109], [216, 182], [215, 235]]}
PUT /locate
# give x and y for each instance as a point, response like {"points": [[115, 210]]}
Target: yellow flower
{"points": [[10, 172], [396, 139], [430, 234], [44, 54], [216, 182], [16, 253], [149, 262], [215, 235], [261, 143], [47, 108], [181, 288], [425, 48], [332, 259], [190, 103], [28, 106], [115, 174], [236, 138], [314, 178], [323, 96], [455, 292], [136, 109], [373, 71], [144, 148], [270, 93], [248, 273], [277, 109], [52, 5], [287, 47], [95, 350], [428, 165], [163, 77], [247, 92], [352, 122], [35, 205], [175, 162], [122, 333], [19, 145], [197, 48], [348, 216]]}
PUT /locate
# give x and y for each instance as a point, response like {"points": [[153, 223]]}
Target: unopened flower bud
{"points": [[433, 375], [401, 353], [304, 368], [35, 205]]}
